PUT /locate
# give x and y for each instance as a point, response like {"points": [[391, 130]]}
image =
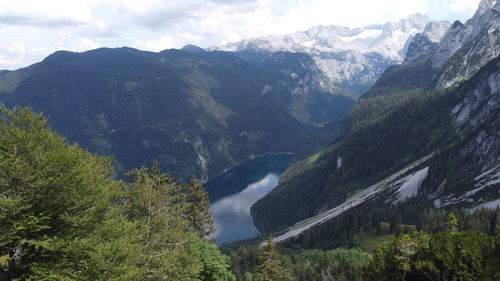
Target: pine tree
{"points": [[198, 211], [452, 222], [271, 266], [156, 205], [406, 248]]}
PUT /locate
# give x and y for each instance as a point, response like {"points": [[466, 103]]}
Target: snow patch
{"points": [[369, 33], [308, 43]]}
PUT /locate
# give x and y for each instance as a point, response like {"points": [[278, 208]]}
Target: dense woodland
{"points": [[465, 246], [63, 216], [373, 149]]}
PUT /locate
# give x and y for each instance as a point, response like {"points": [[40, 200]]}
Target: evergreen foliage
{"points": [[63, 216], [198, 212], [467, 255], [303, 265], [373, 149], [271, 266]]}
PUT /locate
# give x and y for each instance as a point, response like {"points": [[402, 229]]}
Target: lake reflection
{"points": [[232, 214], [234, 192]]}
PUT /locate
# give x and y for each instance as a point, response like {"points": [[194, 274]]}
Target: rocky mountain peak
{"points": [[351, 57], [415, 21], [425, 43], [486, 5], [436, 30], [465, 48]]}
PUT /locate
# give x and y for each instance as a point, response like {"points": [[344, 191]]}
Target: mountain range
{"points": [[354, 58], [425, 136], [402, 115], [196, 112]]}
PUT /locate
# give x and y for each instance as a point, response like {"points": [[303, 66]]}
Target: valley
{"points": [[332, 153]]}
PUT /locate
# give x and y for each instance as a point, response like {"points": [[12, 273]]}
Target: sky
{"points": [[30, 30]]}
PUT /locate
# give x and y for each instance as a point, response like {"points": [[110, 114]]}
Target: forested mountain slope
{"points": [[447, 154], [197, 112], [407, 142]]}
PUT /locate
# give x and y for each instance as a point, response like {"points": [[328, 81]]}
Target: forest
{"points": [[64, 215]]}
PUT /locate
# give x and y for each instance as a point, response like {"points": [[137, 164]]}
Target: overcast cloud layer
{"points": [[32, 29]]}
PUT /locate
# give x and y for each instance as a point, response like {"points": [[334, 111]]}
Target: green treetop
{"points": [[271, 266]]}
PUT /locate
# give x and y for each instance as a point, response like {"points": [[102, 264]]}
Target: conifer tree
{"points": [[271, 266], [173, 219], [452, 222], [406, 248], [156, 205], [198, 209]]}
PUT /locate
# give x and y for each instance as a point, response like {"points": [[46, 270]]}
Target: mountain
{"points": [[410, 147], [467, 47], [461, 170], [463, 50], [196, 112], [426, 42], [353, 58]]}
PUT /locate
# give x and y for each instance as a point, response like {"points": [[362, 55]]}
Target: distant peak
{"points": [[192, 49], [418, 16]]}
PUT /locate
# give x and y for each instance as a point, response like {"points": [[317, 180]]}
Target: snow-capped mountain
{"points": [[354, 58], [448, 141]]}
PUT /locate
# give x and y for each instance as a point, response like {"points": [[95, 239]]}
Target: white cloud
{"points": [[76, 25], [165, 42], [48, 12], [463, 6]]}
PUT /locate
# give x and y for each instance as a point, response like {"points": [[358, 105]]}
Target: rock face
{"points": [[456, 129], [478, 113], [462, 169], [426, 42], [467, 47], [352, 58]]}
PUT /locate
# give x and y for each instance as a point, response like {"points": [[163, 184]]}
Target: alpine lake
{"points": [[235, 191]]}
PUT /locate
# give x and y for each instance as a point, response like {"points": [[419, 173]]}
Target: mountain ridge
{"points": [[456, 126], [353, 58], [207, 108]]}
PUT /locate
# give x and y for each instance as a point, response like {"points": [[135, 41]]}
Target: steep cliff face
{"points": [[426, 42], [466, 48], [462, 169], [477, 116]]}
